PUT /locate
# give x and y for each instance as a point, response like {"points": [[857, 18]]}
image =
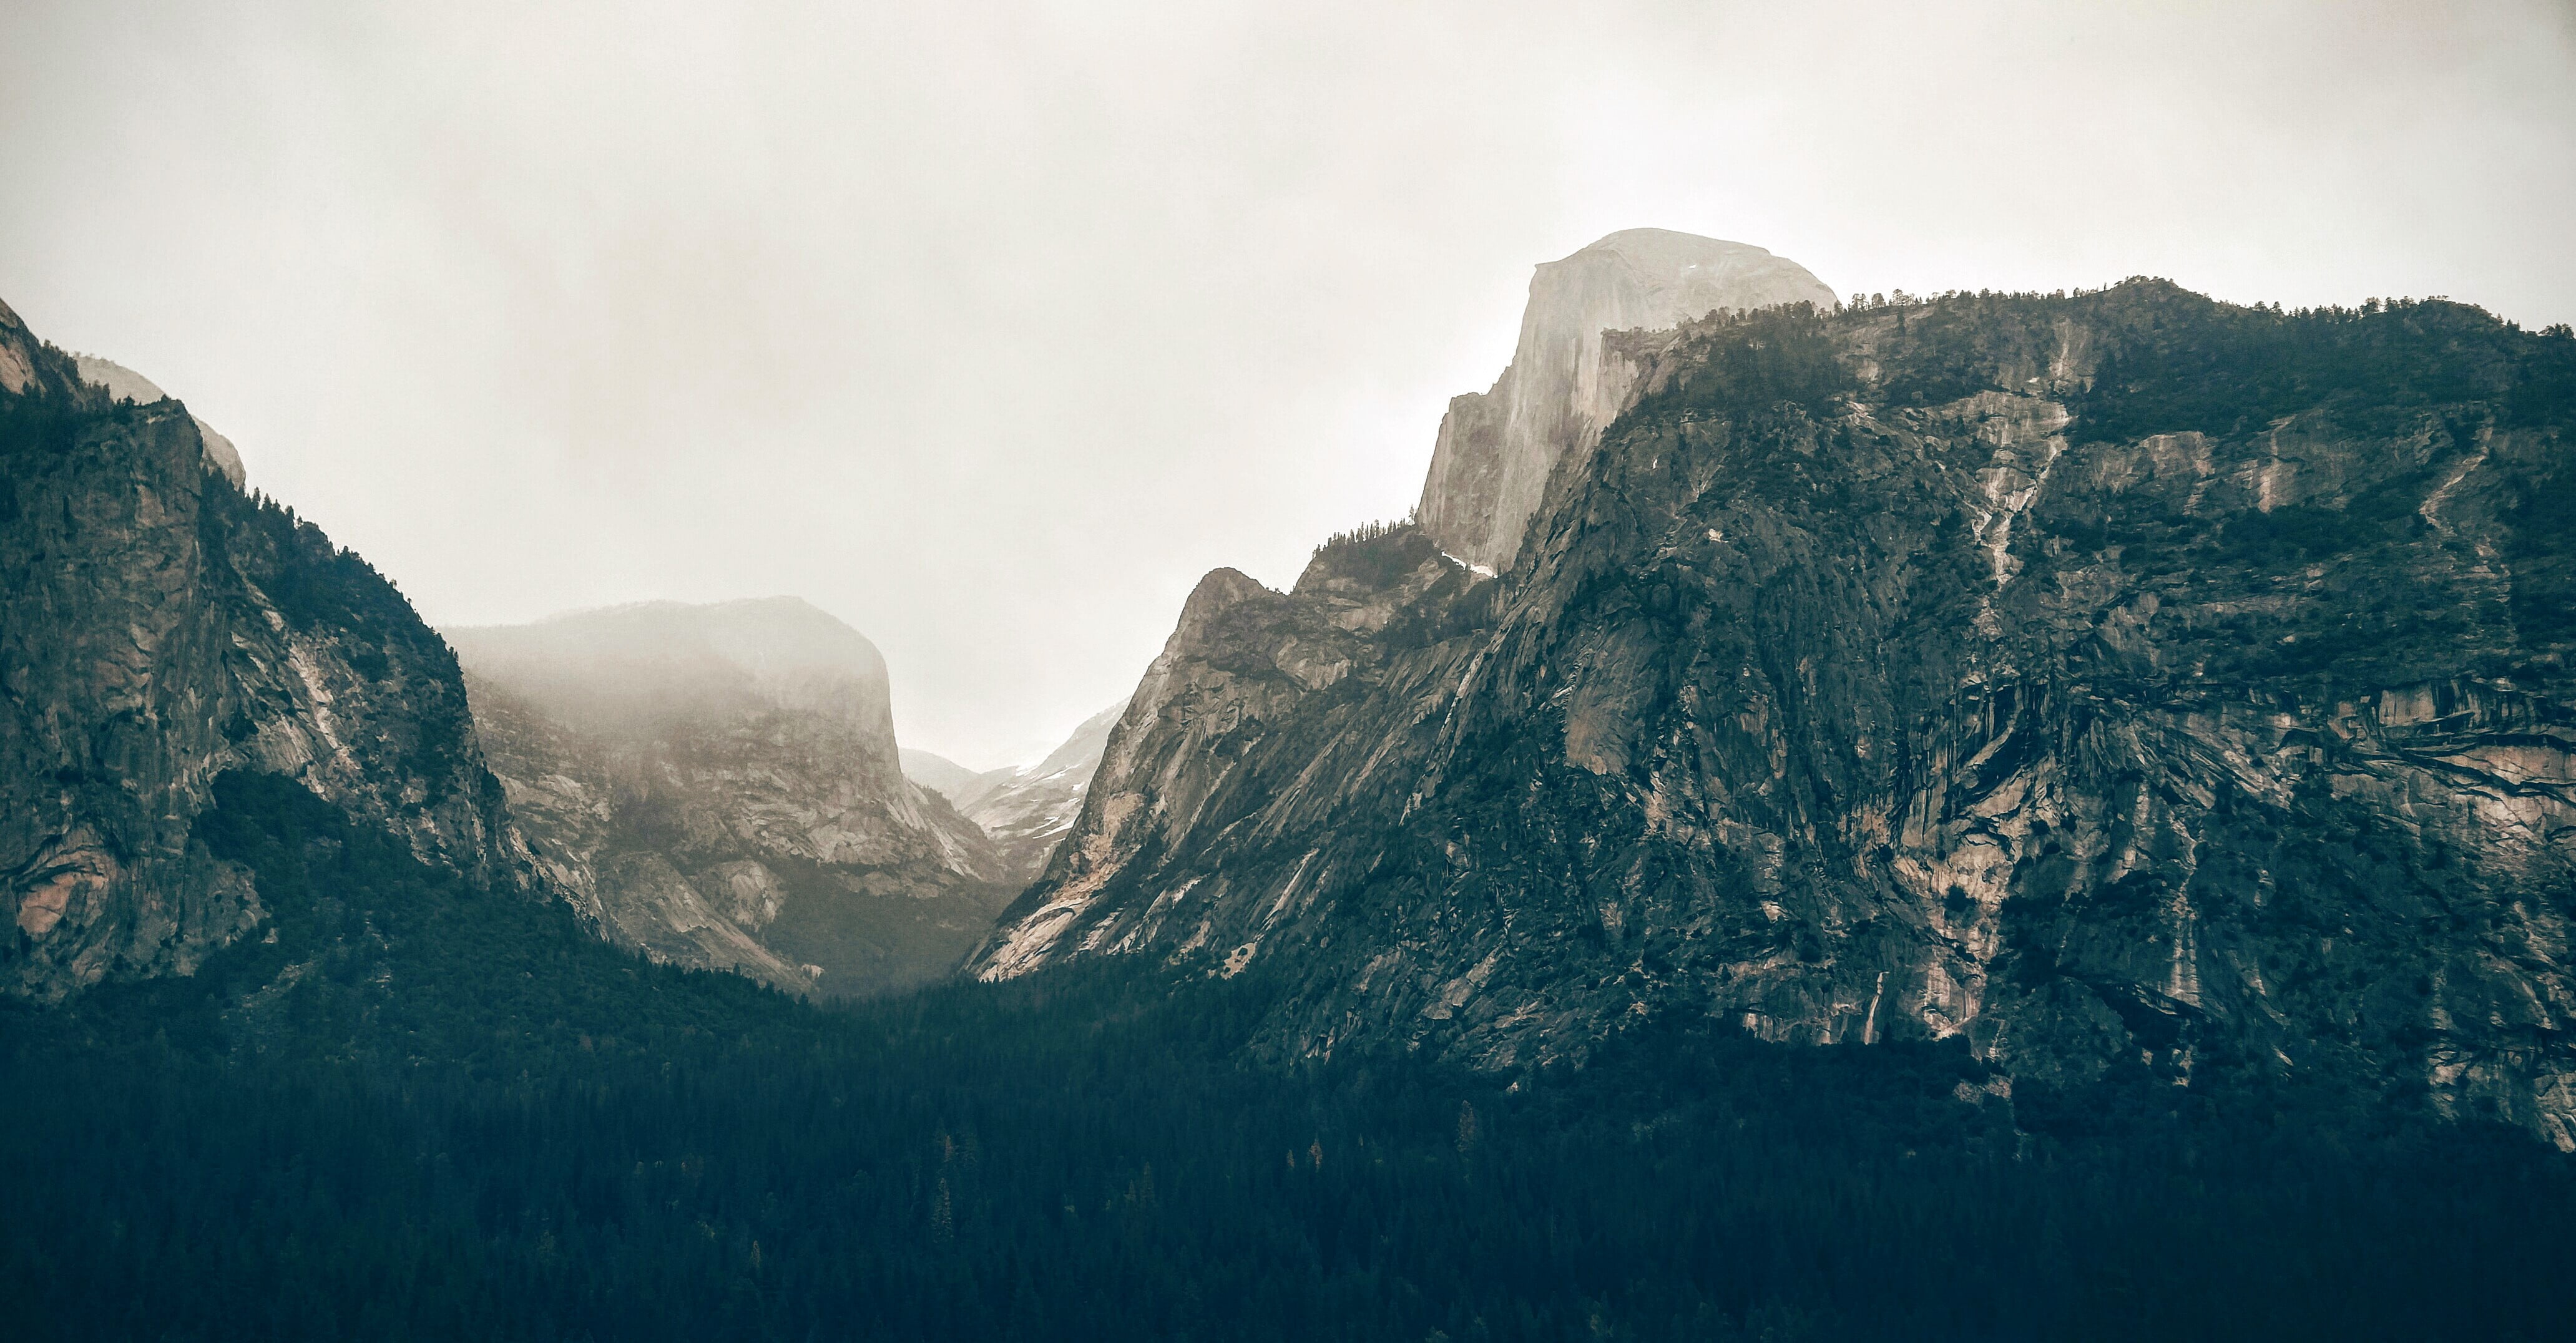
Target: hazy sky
{"points": [[990, 328]]}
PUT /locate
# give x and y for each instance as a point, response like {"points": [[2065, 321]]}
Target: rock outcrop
{"points": [[124, 384], [719, 786], [1497, 448], [2104, 679], [158, 627]]}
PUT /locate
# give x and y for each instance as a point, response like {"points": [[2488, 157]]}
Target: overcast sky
{"points": [[989, 328]]}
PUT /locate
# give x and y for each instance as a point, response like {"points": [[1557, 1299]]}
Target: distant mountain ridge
{"points": [[1028, 811], [949, 779], [720, 786], [1024, 809]]}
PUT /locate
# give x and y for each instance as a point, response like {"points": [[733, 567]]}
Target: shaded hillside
{"points": [[124, 384], [2086, 678], [158, 627], [427, 1111]]}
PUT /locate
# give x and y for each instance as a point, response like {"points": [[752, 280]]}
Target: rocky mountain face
{"points": [[719, 786], [124, 384], [1027, 811], [1497, 448], [2109, 680], [158, 627]]}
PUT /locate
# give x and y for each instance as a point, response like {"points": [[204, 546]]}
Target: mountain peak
{"points": [[1496, 449], [757, 635], [125, 384], [1669, 249]]}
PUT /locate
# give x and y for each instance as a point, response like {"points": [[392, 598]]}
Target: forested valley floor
{"points": [[425, 1111]]}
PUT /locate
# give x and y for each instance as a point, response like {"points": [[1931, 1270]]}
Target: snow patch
{"points": [[1480, 570]]}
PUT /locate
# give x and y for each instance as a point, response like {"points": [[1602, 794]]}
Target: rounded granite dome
{"points": [[650, 660]]}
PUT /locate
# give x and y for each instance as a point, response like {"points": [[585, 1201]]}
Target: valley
{"points": [[1988, 816]]}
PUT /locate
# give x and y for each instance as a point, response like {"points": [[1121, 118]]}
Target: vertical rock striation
{"points": [[1496, 448], [157, 628], [2101, 680]]}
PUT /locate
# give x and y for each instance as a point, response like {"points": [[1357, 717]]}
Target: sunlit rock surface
{"points": [[1496, 448], [2104, 679], [719, 786]]}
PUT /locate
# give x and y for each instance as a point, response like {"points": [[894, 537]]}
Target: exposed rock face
{"points": [[1027, 811], [157, 628], [2098, 679], [719, 786], [124, 384], [1496, 448]]}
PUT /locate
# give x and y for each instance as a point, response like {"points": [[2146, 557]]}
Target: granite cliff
{"points": [[1496, 448], [159, 628], [718, 786], [2111, 679]]}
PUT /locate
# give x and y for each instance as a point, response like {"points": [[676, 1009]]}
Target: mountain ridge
{"points": [[1027, 811], [2086, 677]]}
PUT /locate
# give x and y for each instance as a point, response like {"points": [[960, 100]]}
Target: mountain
{"points": [[1496, 448], [2098, 680], [1027, 811], [719, 786], [1646, 779], [159, 629], [949, 779], [124, 384]]}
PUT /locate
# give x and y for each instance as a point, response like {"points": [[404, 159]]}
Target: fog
{"points": [[989, 329]]}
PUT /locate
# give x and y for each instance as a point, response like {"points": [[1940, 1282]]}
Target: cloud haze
{"points": [[990, 328]]}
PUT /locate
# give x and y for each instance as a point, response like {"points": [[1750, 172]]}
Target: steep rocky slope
{"points": [[124, 384], [1027, 811], [158, 628], [1496, 448], [719, 787], [2110, 678]]}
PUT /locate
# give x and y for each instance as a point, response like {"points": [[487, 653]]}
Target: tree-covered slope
{"points": [[429, 1111], [159, 627]]}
